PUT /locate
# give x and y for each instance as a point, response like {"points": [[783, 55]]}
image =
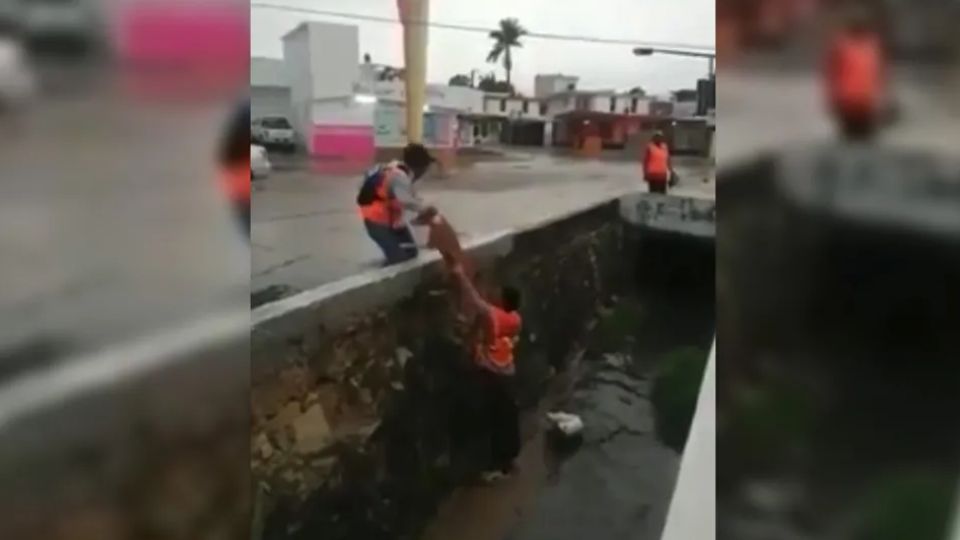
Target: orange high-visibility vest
{"points": [[385, 209], [235, 182], [657, 164], [498, 350], [855, 77]]}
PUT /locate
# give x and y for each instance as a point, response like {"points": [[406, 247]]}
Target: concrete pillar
{"points": [[414, 15]]}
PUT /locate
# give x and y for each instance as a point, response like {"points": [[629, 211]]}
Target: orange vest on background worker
{"points": [[385, 209], [497, 352], [656, 166], [855, 76], [235, 183]]}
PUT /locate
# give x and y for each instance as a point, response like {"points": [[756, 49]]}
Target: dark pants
{"points": [[658, 187], [857, 123], [501, 419], [397, 244], [858, 127]]}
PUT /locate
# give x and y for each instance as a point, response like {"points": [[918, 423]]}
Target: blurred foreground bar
{"points": [[124, 297], [147, 440]]}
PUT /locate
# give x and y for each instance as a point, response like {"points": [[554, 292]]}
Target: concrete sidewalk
{"points": [[305, 230]]}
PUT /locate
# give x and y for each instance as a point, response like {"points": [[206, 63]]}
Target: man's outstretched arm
{"points": [[470, 292], [403, 191]]}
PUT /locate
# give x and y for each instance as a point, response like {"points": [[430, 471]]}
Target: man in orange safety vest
{"points": [[855, 77], [656, 164], [493, 356]]}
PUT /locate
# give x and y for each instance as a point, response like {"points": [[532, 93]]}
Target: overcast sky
{"points": [[599, 66]]}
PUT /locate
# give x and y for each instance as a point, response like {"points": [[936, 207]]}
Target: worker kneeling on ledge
{"points": [[388, 203]]}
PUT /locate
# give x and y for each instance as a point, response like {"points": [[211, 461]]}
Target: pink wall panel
{"points": [[181, 46], [342, 142]]}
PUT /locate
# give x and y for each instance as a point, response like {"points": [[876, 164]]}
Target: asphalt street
{"points": [[306, 231]]}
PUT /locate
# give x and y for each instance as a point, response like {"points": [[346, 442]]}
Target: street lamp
{"points": [[649, 51]]}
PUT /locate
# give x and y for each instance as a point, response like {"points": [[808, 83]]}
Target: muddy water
{"points": [[618, 481]]}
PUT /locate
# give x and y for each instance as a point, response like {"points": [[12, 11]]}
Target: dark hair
{"points": [[510, 297], [416, 157], [235, 145]]}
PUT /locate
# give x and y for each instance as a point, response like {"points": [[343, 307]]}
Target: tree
{"points": [[504, 40], [460, 80], [489, 83]]}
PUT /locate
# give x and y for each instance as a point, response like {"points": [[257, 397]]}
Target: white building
{"points": [[549, 84], [346, 108], [269, 88]]}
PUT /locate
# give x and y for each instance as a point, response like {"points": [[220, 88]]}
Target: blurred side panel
{"points": [[838, 269], [148, 440], [124, 281]]}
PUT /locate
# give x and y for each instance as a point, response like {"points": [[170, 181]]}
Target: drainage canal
{"points": [[619, 323]]}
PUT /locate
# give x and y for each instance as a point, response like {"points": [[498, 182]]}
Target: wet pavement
{"points": [[305, 230], [768, 110], [109, 204]]}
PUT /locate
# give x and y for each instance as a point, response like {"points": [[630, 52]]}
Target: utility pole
{"points": [[414, 14], [650, 51]]}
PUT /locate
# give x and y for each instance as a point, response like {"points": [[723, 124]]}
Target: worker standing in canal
{"points": [[856, 76], [493, 356], [656, 164], [389, 204]]}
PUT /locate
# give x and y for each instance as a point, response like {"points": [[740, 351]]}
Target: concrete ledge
{"points": [[693, 506], [77, 438], [688, 215]]}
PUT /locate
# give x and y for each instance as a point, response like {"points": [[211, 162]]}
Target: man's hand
{"points": [[425, 215]]}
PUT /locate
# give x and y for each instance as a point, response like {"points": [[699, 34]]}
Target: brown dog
{"points": [[444, 239]]}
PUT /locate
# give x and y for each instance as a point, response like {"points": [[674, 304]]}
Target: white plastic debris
{"points": [[568, 424]]}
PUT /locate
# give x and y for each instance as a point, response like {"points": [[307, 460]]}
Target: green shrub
{"points": [[676, 386], [914, 505]]}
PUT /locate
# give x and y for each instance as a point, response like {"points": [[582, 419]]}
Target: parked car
{"points": [[61, 28], [273, 131], [259, 162]]}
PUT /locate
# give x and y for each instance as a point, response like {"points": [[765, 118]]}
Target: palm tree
{"points": [[505, 39]]}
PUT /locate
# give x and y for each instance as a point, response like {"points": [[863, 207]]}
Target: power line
{"points": [[479, 29]]}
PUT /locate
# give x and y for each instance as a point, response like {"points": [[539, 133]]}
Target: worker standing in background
{"points": [[494, 360], [234, 164], [856, 76], [388, 203], [656, 164]]}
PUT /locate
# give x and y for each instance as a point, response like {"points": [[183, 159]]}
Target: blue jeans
{"points": [[397, 245]]}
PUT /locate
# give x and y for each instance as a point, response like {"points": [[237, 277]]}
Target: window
{"points": [[276, 123], [633, 105], [583, 103], [543, 108], [526, 106], [613, 104], [503, 105]]}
